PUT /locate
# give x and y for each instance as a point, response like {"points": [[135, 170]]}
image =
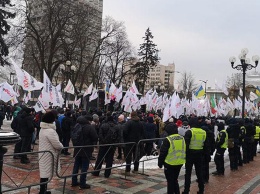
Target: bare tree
{"points": [[188, 85], [118, 52], [235, 81]]}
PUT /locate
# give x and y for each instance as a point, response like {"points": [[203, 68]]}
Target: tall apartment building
{"points": [[92, 11], [161, 76]]}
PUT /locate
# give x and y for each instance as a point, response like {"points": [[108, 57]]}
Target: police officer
{"points": [[221, 146], [172, 157], [256, 137], [196, 142]]}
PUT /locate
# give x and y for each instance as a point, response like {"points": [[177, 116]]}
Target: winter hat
{"points": [[179, 123], [185, 123], [49, 117], [171, 120]]}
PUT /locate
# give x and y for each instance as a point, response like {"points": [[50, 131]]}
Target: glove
{"points": [[160, 165]]}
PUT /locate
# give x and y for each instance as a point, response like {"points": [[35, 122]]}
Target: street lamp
{"points": [[11, 80], [244, 66], [68, 71], [205, 82]]}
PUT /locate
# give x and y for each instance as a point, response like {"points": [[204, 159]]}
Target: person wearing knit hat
{"points": [[48, 140]]}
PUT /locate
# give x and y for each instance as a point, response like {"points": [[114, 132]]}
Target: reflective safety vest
{"points": [[197, 139], [225, 144], [177, 151], [257, 132]]}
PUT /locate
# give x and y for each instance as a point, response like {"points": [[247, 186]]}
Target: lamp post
{"points": [[11, 80], [68, 71], [244, 66], [205, 82]]}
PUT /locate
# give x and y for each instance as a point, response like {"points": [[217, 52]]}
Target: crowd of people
{"points": [[188, 140]]}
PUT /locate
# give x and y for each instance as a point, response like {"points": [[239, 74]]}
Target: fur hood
{"points": [[44, 125]]}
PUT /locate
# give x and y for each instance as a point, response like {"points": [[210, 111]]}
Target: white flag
{"points": [[253, 96], [25, 80], [94, 95], [119, 93], [89, 90], [77, 102], [133, 88], [69, 88], [38, 107], [7, 92]]}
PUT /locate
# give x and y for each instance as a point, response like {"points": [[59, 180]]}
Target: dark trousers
{"points": [[219, 160], [148, 148], [171, 175], [83, 163], [205, 167], [119, 150], [245, 148], [251, 150], [256, 141], [26, 145], [196, 160], [107, 153], [66, 141], [131, 153], [17, 147], [43, 186]]}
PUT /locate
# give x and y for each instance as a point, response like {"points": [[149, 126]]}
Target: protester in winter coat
{"points": [[26, 131], [134, 132], [82, 155], [66, 125], [48, 140], [105, 152], [149, 133], [15, 126], [183, 128], [120, 126]]}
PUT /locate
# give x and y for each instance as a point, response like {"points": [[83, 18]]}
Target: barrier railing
{"points": [[30, 168], [144, 149], [63, 173]]}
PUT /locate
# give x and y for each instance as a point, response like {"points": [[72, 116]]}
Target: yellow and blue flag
{"points": [[200, 92], [257, 91]]}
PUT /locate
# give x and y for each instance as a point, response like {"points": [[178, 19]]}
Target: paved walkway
{"points": [[245, 180]]}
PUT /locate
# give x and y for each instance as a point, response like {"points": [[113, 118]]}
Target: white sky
{"points": [[199, 36]]}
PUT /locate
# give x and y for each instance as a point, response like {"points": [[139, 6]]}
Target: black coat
{"points": [[26, 125], [90, 137], [104, 128], [134, 130]]}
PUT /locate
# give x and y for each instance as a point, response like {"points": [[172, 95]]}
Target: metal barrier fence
{"points": [[66, 170], [144, 149], [33, 166], [65, 176]]}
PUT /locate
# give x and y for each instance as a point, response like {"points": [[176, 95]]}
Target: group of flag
{"points": [[132, 100]]}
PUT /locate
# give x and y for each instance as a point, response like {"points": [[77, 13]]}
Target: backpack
{"points": [[112, 135], [77, 135]]}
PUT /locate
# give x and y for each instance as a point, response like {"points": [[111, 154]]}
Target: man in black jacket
{"points": [[105, 152], [83, 154], [66, 125], [133, 132], [26, 131]]}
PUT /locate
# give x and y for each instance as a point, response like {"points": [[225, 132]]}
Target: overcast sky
{"points": [[198, 36]]}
